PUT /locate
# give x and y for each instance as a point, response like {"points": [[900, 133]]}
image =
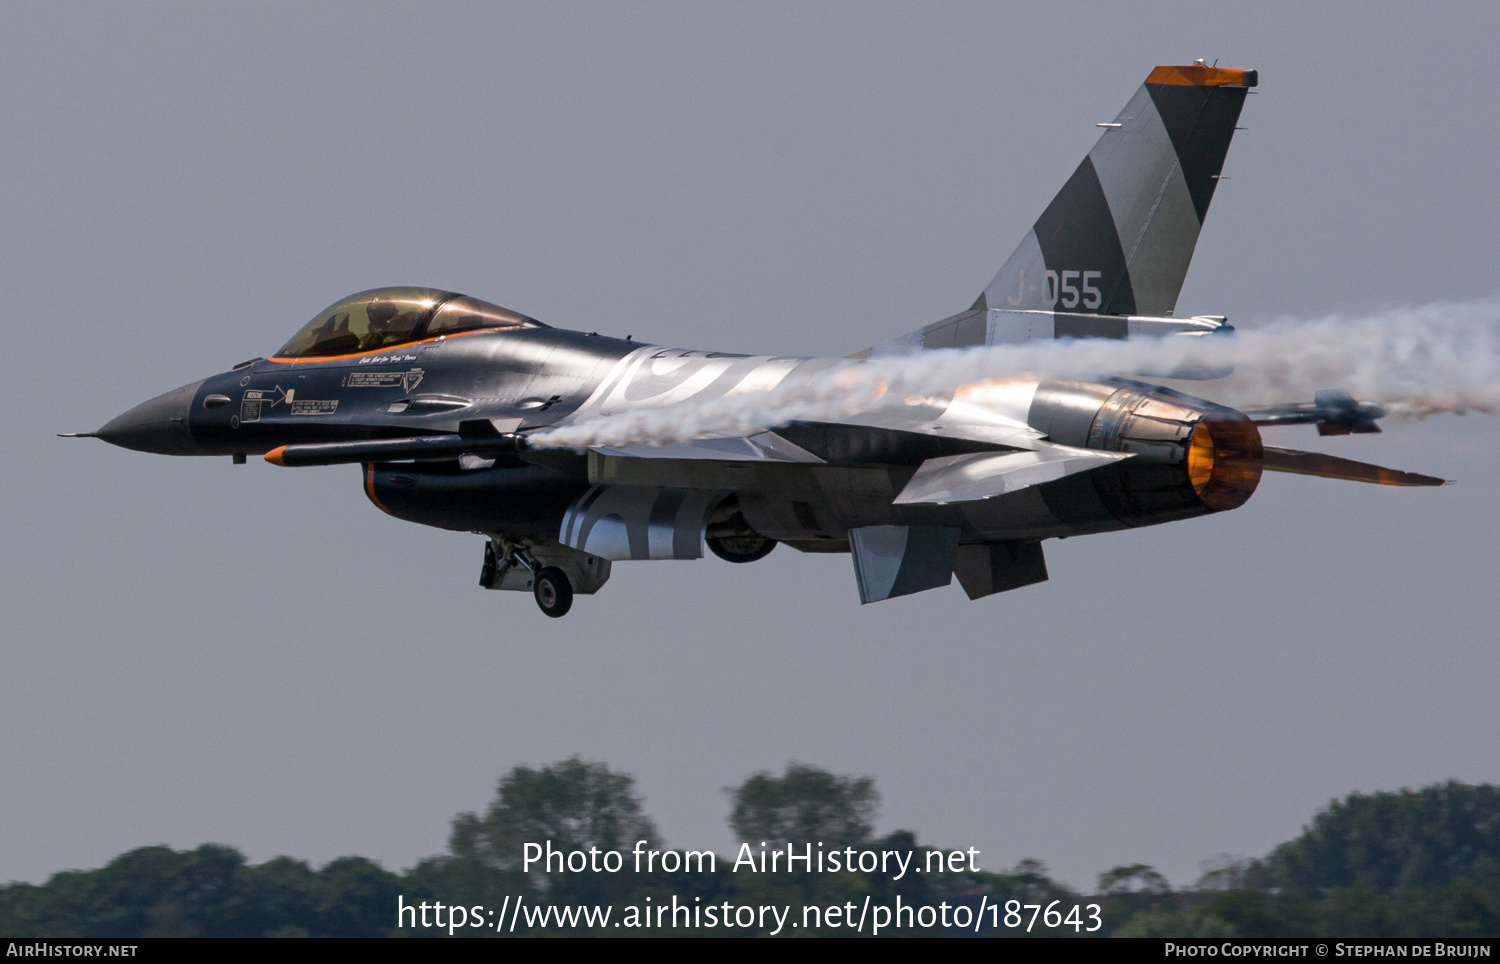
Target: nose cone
{"points": [[159, 426]]}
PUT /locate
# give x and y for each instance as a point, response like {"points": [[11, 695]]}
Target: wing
{"points": [[1333, 467], [760, 447], [973, 444]]}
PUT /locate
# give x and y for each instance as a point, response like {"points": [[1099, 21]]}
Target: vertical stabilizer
{"points": [[1118, 238]]}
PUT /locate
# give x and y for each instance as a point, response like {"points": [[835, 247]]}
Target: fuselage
{"points": [[469, 416], [527, 378]]}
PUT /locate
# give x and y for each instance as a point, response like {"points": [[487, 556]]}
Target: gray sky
{"points": [[197, 651]]}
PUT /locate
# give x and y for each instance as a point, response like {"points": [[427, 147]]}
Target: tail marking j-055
{"points": [[1118, 238]]}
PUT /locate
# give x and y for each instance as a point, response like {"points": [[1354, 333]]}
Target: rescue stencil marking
{"points": [[257, 400]]}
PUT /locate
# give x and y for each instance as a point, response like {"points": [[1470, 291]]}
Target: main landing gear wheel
{"points": [[553, 592], [747, 547]]}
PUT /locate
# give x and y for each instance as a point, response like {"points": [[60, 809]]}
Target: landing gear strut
{"points": [[730, 537], [550, 571], [515, 566], [553, 592]]}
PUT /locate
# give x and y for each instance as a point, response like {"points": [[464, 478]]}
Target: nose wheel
{"points": [[511, 565], [553, 592]]}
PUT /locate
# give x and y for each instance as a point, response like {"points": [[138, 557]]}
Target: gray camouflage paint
{"points": [[1119, 236], [917, 489]]}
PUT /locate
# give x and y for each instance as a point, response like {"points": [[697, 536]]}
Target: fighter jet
{"points": [[441, 398]]}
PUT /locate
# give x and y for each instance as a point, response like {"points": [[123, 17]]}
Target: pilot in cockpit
{"points": [[387, 325]]}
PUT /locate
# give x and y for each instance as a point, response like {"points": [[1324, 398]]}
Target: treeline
{"points": [[1410, 864], [1420, 863]]}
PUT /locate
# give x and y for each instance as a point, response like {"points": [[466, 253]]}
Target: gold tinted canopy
{"points": [[384, 317]]}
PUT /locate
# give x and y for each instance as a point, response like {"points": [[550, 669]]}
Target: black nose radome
{"points": [[159, 426]]}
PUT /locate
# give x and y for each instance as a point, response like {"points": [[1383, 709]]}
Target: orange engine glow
{"points": [[1224, 462]]}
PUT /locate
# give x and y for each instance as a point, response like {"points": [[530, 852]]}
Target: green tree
{"points": [[1133, 889], [574, 805], [354, 897], [277, 898], [1223, 872], [154, 892], [804, 805], [1133, 879], [1391, 842]]}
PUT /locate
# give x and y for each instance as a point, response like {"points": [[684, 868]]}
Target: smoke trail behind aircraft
{"points": [[1438, 358]]}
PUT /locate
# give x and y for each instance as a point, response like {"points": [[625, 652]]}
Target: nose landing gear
{"points": [[553, 574]]}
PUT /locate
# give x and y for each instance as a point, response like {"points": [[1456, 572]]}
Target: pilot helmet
{"points": [[381, 313]]}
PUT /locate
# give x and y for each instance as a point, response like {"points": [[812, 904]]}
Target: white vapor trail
{"points": [[1437, 358]]}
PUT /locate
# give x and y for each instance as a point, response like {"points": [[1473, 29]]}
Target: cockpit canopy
{"points": [[384, 317]]}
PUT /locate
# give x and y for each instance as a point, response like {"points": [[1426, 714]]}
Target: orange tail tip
{"points": [[1197, 75], [274, 456]]}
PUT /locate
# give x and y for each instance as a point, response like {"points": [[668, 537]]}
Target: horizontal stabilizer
{"points": [[984, 475], [1333, 467]]}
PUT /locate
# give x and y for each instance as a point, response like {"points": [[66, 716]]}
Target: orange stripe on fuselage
{"points": [[375, 351], [1197, 75]]}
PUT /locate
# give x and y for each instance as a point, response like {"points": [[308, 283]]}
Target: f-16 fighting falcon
{"points": [[468, 416]]}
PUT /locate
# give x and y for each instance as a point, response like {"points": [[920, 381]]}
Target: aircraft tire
{"points": [[740, 549], [553, 592]]}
